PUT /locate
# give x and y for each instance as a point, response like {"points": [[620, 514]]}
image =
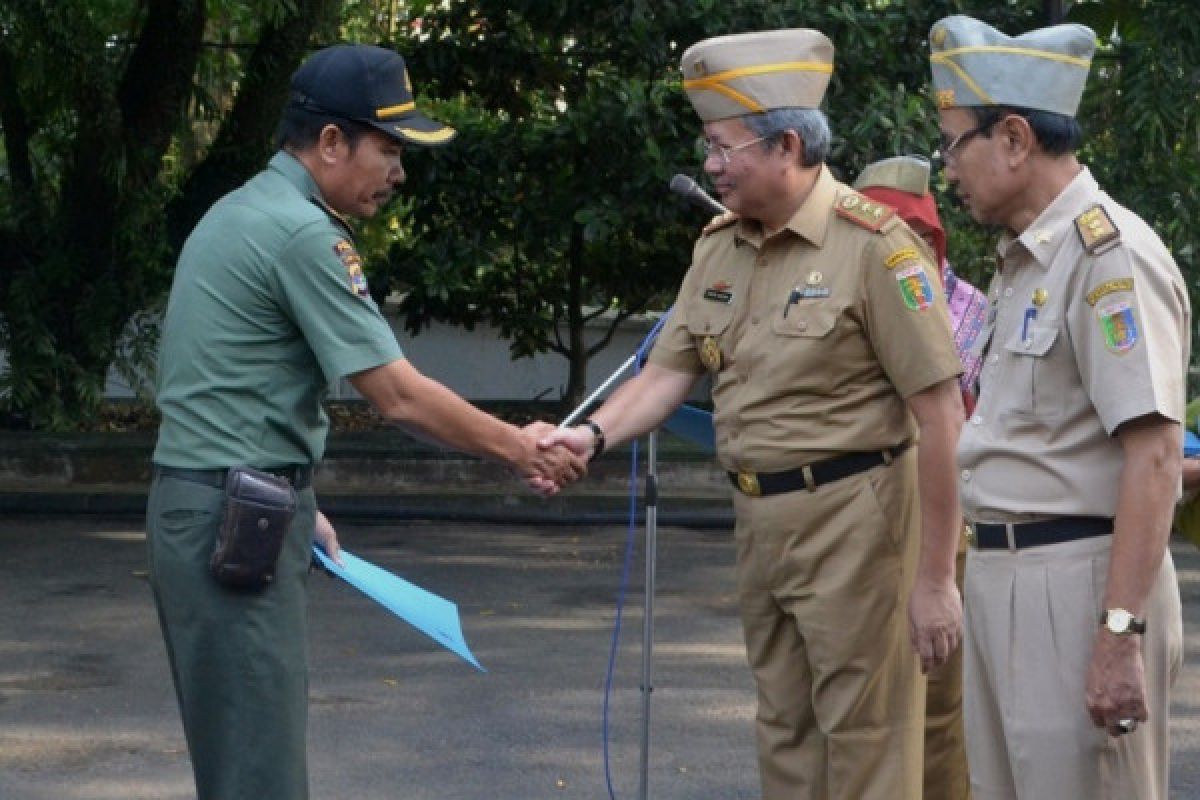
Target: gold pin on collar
{"points": [[1040, 296]]}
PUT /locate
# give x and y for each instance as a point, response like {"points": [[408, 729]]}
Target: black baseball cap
{"points": [[367, 84]]}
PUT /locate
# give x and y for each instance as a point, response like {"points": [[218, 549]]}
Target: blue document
{"points": [[1191, 444], [434, 616]]}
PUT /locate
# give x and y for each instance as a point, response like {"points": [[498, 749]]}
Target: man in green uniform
{"points": [[269, 305], [819, 316]]}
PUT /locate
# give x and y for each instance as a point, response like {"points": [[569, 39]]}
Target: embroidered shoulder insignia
{"points": [[1096, 230], [1109, 287], [719, 222], [353, 266], [863, 211]]}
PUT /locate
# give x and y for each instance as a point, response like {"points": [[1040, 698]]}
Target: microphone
{"points": [[689, 190]]}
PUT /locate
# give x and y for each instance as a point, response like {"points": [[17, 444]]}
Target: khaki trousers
{"points": [[945, 745], [239, 659], [1030, 620], [823, 582]]}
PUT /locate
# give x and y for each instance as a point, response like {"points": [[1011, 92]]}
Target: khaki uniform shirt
{"points": [[269, 305], [1088, 328], [815, 336]]}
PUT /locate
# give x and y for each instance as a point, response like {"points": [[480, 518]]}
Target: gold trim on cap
{"points": [[394, 111], [716, 81], [433, 137], [940, 58], [1086, 63]]}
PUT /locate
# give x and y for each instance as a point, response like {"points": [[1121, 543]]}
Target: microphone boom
{"points": [[688, 189]]}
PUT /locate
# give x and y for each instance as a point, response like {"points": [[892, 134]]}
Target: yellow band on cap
{"points": [[1086, 63], [427, 137], [395, 111], [716, 81], [939, 58]]}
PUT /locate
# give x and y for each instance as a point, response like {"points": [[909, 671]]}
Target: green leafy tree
{"points": [[94, 103], [550, 210]]}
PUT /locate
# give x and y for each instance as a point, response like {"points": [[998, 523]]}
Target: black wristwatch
{"points": [[1121, 622], [598, 433]]}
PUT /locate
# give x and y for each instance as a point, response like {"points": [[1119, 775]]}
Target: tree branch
{"points": [[244, 141], [154, 89], [17, 132]]}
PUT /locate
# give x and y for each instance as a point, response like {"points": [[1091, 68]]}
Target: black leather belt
{"points": [[299, 475], [1019, 535], [819, 473]]}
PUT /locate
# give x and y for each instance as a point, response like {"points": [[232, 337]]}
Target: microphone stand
{"points": [[647, 684]]}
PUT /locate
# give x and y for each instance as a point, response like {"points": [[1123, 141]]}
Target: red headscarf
{"points": [[912, 208]]}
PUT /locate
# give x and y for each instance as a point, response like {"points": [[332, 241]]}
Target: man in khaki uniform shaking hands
{"points": [[819, 315], [1071, 459]]}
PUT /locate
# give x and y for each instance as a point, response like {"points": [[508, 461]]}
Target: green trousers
{"points": [[239, 659]]}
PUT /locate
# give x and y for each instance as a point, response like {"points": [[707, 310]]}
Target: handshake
{"points": [[551, 457]]}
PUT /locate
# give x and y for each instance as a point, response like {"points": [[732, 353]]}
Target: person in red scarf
{"points": [[902, 183]]}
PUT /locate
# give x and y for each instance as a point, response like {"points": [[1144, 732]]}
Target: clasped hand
{"points": [[545, 469]]}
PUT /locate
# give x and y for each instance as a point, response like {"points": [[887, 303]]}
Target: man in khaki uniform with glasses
{"points": [[1071, 459], [819, 315]]}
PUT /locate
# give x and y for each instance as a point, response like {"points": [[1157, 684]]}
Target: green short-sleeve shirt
{"points": [[268, 307]]}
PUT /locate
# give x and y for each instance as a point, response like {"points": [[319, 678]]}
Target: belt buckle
{"points": [[748, 483], [969, 533]]}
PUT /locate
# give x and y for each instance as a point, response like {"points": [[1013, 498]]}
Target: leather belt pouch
{"points": [[256, 514]]}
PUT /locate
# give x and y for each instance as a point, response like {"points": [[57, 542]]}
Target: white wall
{"points": [[477, 365]]}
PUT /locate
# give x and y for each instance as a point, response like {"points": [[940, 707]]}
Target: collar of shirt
{"points": [[290, 168], [1042, 239], [811, 220]]}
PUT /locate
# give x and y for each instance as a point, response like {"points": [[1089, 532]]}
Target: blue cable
{"points": [[642, 352]]}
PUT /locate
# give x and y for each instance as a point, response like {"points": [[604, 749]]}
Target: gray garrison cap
{"points": [[976, 65], [748, 73], [906, 173]]}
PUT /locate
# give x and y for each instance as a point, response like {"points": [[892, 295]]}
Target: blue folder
{"points": [[434, 616], [695, 425]]}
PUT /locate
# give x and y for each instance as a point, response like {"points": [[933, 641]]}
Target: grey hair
{"points": [[810, 124]]}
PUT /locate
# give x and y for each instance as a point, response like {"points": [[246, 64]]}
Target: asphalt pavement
{"points": [[87, 709]]}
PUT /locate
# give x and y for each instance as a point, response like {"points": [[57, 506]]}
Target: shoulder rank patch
{"points": [[353, 264], [915, 286], [1119, 326], [1096, 230], [1108, 287], [718, 222], [862, 211]]}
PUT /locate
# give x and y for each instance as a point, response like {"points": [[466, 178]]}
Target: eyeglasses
{"points": [[706, 148], [947, 150]]}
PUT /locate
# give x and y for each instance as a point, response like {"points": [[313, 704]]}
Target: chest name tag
{"points": [[718, 295]]}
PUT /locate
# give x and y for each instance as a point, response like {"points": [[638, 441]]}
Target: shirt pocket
{"points": [[711, 321], [813, 321], [1033, 387]]}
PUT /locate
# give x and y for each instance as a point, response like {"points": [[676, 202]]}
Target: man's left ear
{"points": [[1019, 137], [329, 142], [792, 145]]}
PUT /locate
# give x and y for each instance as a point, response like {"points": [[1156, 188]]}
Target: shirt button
{"points": [[1008, 292], [994, 358], [966, 474], [976, 420], [801, 325], [761, 261], [755, 320]]}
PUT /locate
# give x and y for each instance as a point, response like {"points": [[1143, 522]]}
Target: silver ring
{"points": [[1127, 725]]}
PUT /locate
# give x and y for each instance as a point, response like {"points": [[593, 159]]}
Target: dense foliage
{"points": [[123, 120]]}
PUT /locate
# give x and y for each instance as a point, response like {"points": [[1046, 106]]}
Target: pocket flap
{"points": [[1037, 342]]}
